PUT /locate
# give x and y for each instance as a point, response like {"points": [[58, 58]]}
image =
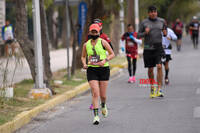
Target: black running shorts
{"points": [[98, 73], [179, 36], [9, 41], [153, 57], [168, 57]]}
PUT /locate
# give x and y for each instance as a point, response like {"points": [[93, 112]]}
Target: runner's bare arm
{"points": [[83, 56], [109, 49]]}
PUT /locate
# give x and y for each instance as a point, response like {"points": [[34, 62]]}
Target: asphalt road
{"points": [[130, 108]]}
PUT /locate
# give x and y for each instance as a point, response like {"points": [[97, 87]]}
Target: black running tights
{"points": [[131, 66]]}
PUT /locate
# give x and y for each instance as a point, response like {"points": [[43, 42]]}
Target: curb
{"points": [[124, 65], [26, 116]]}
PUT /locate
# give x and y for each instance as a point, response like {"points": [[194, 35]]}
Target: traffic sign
{"points": [[82, 15]]}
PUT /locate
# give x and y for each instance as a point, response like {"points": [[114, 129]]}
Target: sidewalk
{"points": [[58, 61]]}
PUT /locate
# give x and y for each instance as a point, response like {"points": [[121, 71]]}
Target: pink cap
{"points": [[94, 27]]}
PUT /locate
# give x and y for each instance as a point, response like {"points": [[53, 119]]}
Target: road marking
{"points": [[198, 91], [196, 113], [199, 80]]}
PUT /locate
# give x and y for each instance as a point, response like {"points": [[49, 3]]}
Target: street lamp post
{"points": [[121, 14], [136, 15], [39, 81], [68, 37]]}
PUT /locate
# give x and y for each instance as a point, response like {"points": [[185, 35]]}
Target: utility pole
{"points": [[39, 81], [68, 37], [39, 90], [121, 14], [130, 12], [2, 19], [136, 15]]}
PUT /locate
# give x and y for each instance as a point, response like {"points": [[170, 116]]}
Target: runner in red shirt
{"points": [[178, 30], [131, 51]]}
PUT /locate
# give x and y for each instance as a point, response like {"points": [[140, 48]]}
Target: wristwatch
{"points": [[106, 60]]}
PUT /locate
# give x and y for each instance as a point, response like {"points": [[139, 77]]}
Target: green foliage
{"points": [[112, 5], [171, 9], [183, 9], [47, 4]]}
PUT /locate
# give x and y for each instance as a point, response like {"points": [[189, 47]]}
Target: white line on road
{"points": [[196, 113], [198, 91]]}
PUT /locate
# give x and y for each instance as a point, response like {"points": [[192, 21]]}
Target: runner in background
{"points": [[178, 30], [194, 27], [168, 36], [8, 38], [153, 55], [131, 47]]}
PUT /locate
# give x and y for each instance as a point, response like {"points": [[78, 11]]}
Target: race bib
{"points": [[94, 59], [130, 43]]}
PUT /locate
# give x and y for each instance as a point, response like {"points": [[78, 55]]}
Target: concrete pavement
{"points": [[130, 108]]}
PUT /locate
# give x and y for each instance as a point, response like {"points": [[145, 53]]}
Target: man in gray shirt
{"points": [[151, 30]]}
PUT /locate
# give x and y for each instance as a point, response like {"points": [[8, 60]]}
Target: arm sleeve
{"points": [[141, 32], [138, 41], [172, 35]]}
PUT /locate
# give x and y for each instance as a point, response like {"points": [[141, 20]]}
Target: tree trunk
{"points": [[74, 42], [55, 29], [49, 15], [45, 45], [52, 15], [115, 32], [64, 29], [130, 13], [95, 10], [22, 35]]}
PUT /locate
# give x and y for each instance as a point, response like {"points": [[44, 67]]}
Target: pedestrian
{"points": [[131, 47], [168, 36], [8, 37], [194, 27], [178, 30], [98, 71], [102, 36], [151, 29]]}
